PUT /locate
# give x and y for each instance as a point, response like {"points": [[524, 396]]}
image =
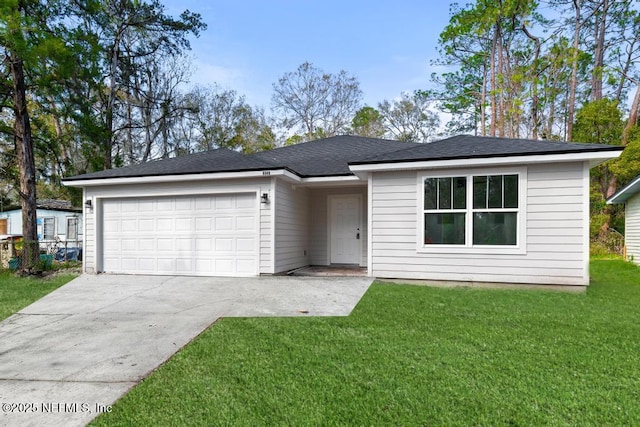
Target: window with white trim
{"points": [[445, 210], [48, 228], [495, 210], [471, 211], [72, 228]]}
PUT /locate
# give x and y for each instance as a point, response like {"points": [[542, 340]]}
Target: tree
{"points": [[410, 118], [368, 122], [224, 119], [601, 122], [512, 71], [309, 98], [130, 32], [35, 63]]}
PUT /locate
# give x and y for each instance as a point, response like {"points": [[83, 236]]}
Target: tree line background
{"points": [[87, 85]]}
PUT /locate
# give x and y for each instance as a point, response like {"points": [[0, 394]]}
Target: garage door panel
{"points": [[204, 224], [130, 245], [165, 205], [246, 203], [184, 244], [145, 206], [204, 244], [128, 264], [183, 224], [183, 205], [167, 265], [245, 245], [128, 226], [204, 266], [223, 224], [224, 244], [204, 203], [223, 203], [244, 266], [224, 265], [111, 226], [201, 235], [245, 223], [146, 244], [184, 265]]}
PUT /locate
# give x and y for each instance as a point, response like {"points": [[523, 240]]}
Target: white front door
{"points": [[345, 216]]}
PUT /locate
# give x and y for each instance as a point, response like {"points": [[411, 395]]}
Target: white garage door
{"points": [[212, 235]]}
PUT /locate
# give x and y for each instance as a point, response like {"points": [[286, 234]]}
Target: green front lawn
{"points": [[18, 292], [411, 355]]}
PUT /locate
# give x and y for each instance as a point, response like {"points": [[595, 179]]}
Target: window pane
{"points": [[430, 193], [511, 191], [72, 228], [495, 191], [444, 193], [479, 192], [460, 193], [49, 229], [444, 229], [495, 228]]}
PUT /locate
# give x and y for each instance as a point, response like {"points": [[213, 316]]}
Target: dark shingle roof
{"points": [[469, 147], [220, 160], [332, 156]]}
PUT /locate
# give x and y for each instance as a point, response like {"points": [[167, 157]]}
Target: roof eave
{"points": [[626, 192], [154, 179], [593, 157]]}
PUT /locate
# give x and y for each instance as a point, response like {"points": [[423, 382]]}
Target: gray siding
{"points": [[260, 185], [319, 245], [291, 227], [632, 228], [554, 251]]}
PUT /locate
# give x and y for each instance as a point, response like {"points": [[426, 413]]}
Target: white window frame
{"points": [[45, 237], [76, 220], [469, 247]]}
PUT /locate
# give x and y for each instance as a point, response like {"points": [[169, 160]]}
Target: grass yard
{"points": [[18, 292], [412, 355]]}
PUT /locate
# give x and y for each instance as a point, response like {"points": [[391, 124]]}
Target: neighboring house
{"points": [[464, 209], [56, 221], [630, 196]]}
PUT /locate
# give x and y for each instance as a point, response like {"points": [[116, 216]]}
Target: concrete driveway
{"points": [[67, 357]]}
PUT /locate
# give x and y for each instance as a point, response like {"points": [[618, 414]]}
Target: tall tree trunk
{"points": [[26, 165], [483, 99], [598, 66], [111, 101], [535, 100], [493, 93], [573, 84], [633, 117]]}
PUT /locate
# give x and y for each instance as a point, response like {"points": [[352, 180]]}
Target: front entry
{"points": [[345, 236]]}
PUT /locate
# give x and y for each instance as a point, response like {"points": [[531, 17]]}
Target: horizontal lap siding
{"points": [[291, 227], [632, 228], [176, 189], [554, 218], [554, 242]]}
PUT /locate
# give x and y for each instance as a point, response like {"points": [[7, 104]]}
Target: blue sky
{"points": [[387, 45]]}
